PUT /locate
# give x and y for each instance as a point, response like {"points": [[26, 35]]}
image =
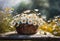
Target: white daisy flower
{"points": [[35, 23], [27, 11], [49, 21], [34, 14], [40, 24], [30, 21], [16, 16], [39, 14], [23, 20], [40, 21], [30, 16], [55, 20], [36, 9], [35, 17], [13, 23], [23, 15]]}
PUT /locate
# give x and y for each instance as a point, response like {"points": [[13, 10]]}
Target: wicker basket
{"points": [[26, 29]]}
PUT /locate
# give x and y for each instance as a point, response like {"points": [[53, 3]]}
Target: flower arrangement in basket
{"points": [[27, 22]]}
